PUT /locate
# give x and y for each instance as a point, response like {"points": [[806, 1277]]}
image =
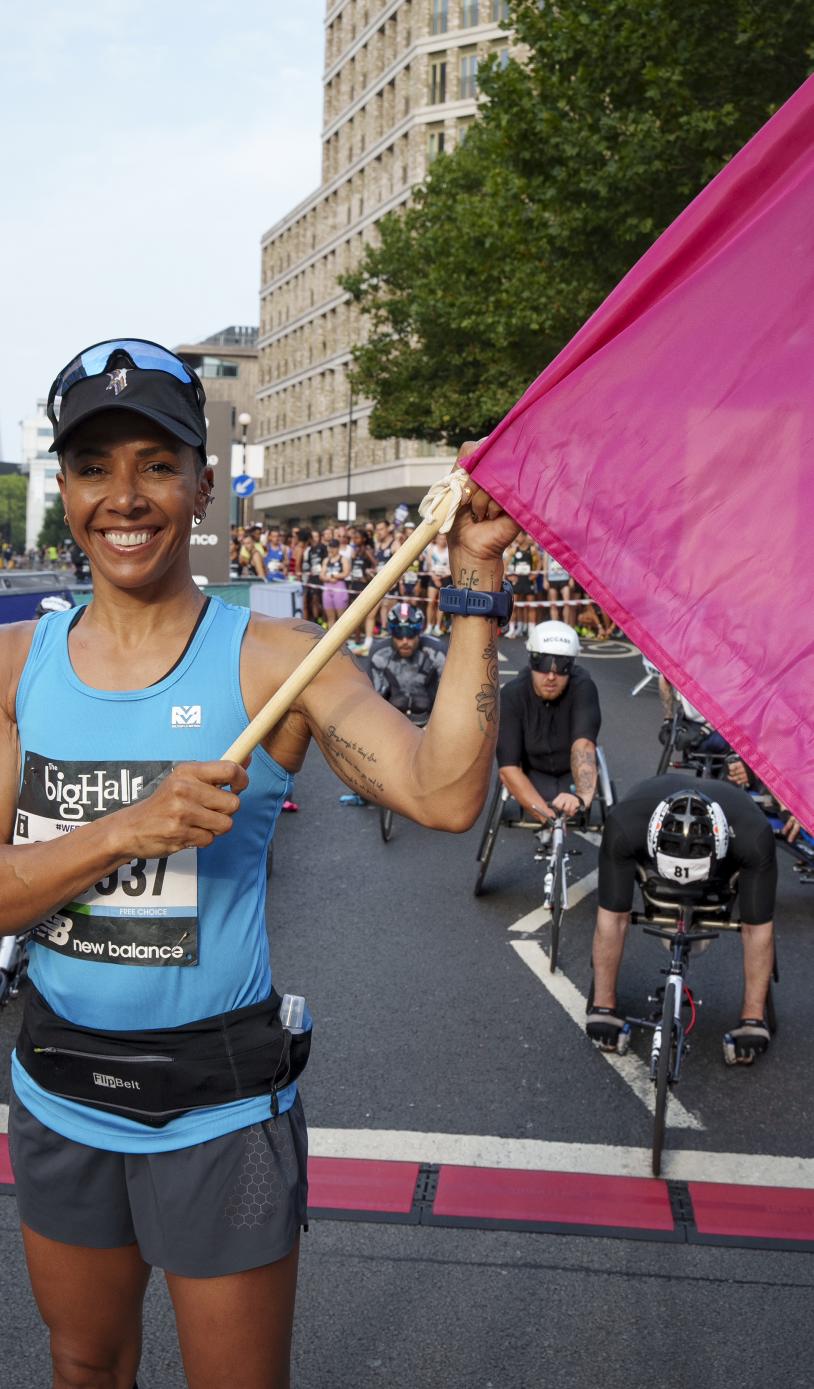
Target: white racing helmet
{"points": [[553, 639], [687, 834]]}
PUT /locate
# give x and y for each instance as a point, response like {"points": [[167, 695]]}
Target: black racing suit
{"points": [[751, 850]]}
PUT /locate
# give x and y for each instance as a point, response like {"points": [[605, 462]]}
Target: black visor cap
{"points": [[157, 396]]}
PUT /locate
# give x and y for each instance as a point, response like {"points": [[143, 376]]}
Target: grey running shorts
{"points": [[219, 1207]]}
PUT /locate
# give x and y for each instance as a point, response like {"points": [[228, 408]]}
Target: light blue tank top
{"points": [[161, 942]]}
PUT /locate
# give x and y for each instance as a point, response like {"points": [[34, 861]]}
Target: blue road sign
{"points": [[244, 485]]}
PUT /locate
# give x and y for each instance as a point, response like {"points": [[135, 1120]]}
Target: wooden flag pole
{"points": [[438, 507]]}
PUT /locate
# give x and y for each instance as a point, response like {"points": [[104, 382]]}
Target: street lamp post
{"points": [[350, 455], [244, 419]]}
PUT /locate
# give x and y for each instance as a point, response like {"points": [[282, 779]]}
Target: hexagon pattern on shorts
{"points": [[265, 1178]]}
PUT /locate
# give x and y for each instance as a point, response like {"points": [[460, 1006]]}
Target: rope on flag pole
{"points": [[438, 512]]}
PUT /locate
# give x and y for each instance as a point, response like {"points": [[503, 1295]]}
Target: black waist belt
{"points": [[156, 1075]]}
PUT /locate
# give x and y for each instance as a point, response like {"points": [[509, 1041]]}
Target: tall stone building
{"points": [[400, 87]]}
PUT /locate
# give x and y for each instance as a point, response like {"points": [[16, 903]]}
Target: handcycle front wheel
{"points": [[385, 822], [557, 909], [663, 1074]]}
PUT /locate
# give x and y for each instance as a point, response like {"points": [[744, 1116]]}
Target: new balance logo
{"points": [[186, 716], [115, 1082]]}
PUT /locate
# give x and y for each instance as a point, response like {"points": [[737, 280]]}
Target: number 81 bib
{"points": [[144, 913]]}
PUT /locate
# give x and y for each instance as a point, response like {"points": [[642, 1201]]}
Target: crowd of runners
{"points": [[336, 562]]}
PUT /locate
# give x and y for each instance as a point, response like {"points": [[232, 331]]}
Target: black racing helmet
{"points": [[687, 834], [405, 620]]}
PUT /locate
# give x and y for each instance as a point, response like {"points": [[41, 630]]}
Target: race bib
{"points": [[145, 912]]}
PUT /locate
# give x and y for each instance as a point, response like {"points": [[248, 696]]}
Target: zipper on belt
{"points": [[97, 1055]]}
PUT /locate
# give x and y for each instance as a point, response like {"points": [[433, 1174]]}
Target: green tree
{"points": [[579, 158], [13, 493], [54, 530]]}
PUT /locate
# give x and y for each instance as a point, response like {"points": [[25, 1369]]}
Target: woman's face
{"points": [[130, 490]]}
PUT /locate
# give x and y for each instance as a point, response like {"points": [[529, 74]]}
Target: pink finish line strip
{"points": [[559, 1198], [759, 1212], [361, 1184], [549, 1198]]}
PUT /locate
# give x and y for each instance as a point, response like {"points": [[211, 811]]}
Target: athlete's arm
{"points": [[438, 775], [526, 794], [583, 770]]}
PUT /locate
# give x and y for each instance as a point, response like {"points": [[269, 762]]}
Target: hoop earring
{"points": [[198, 517]]}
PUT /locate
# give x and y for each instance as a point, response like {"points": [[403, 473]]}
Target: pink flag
{"points": [[666, 456]]}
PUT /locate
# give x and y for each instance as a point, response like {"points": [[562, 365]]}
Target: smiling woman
{"points": [[152, 1076]]}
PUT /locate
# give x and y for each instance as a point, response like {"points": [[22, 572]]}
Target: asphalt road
{"points": [[431, 1018]]}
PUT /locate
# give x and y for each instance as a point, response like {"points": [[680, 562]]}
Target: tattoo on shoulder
{"points": [[486, 699], [309, 629]]}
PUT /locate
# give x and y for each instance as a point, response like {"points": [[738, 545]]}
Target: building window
{"points": [[469, 13], [468, 76], [503, 59], [440, 16], [435, 144], [438, 83], [500, 11], [215, 366]]}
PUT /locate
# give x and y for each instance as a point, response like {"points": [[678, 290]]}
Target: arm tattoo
{"points": [[316, 633], [352, 761], [486, 699], [583, 770]]}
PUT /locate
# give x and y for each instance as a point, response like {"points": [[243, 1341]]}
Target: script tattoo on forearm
{"points": [[583, 770], [352, 761], [486, 699]]}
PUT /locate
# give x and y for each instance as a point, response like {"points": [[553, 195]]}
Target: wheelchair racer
{"points": [[549, 723], [406, 669], [687, 829]]}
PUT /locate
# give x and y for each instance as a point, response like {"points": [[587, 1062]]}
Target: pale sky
{"points": [[146, 148]]}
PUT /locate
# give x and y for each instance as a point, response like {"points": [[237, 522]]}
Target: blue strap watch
{"points": [[472, 602]]}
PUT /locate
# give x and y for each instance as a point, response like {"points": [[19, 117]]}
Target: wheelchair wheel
{"points": [[771, 1012], [557, 910], [663, 1074], [487, 843], [385, 822], [666, 756], [495, 806]]}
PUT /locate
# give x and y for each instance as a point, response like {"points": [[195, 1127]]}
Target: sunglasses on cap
{"points": [[546, 662], [149, 356]]}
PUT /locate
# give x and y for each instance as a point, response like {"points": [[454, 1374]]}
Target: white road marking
{"points": [[537, 1155], [541, 916], [631, 1068]]}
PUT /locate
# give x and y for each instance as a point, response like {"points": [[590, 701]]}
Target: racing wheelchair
{"points": [[552, 845], [684, 917], [689, 744]]}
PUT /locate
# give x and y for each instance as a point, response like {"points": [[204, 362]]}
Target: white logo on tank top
{"points": [[186, 716]]}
